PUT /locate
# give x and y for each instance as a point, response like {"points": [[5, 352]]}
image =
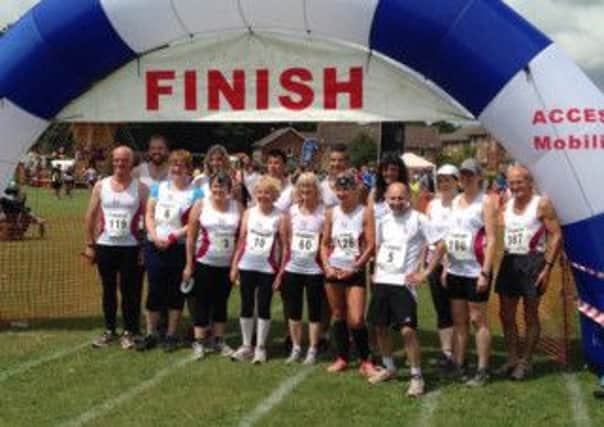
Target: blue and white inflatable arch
{"points": [[522, 87]]}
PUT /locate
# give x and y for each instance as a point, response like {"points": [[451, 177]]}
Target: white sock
{"points": [[296, 347], [247, 330], [416, 372], [448, 353], [388, 363], [264, 327]]}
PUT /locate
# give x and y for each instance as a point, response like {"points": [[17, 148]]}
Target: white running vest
{"points": [[218, 234], [261, 244], [524, 233], [330, 199], [400, 241], [440, 221], [346, 235], [172, 207], [121, 214], [145, 176], [380, 209], [305, 241], [466, 238]]}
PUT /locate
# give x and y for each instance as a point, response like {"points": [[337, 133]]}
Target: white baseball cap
{"points": [[448, 169]]}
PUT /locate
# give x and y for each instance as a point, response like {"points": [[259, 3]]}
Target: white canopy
{"points": [[413, 161]]}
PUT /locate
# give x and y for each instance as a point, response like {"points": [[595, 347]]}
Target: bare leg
{"points": [[478, 317], [507, 313], [295, 332], [173, 320], [412, 347], [533, 327]]}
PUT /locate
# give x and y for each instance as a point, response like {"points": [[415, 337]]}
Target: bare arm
{"points": [[369, 233], [92, 214], [490, 224], [240, 247], [326, 244], [547, 214], [192, 233]]}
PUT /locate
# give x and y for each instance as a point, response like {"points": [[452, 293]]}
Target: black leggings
{"points": [[250, 281], [293, 289], [212, 290], [122, 262], [440, 299], [164, 274]]}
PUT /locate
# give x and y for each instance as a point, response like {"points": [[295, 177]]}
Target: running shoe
{"points": [[479, 379], [294, 356], [220, 346], [338, 366], [127, 340], [367, 369], [170, 343], [243, 353], [506, 369], [259, 356], [417, 386], [381, 375], [147, 342], [522, 370], [199, 350], [107, 338], [311, 357]]}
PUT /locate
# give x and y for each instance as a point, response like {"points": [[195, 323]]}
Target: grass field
{"points": [[49, 374]]}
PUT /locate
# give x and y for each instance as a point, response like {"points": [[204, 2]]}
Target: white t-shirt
{"points": [[524, 232], [121, 213], [328, 194], [144, 175], [346, 236], [305, 240], [261, 246], [172, 207], [399, 244], [218, 234]]}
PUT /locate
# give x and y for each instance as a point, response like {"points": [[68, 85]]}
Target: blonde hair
{"points": [[307, 178], [181, 156], [268, 183], [226, 161]]}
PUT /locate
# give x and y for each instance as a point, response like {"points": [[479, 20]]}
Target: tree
{"points": [[362, 150]]}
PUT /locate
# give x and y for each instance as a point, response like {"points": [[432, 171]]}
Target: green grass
{"points": [[215, 391]]}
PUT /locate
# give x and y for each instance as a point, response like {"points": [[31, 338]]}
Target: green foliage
{"points": [[362, 150]]}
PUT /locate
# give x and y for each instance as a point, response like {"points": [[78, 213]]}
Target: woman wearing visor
{"points": [[347, 245], [439, 212], [211, 242]]}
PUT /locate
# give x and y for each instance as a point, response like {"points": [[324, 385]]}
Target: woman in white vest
{"points": [[302, 228], [117, 203], [470, 256], [211, 242], [439, 212], [167, 221], [216, 160], [256, 263], [347, 245], [532, 240]]}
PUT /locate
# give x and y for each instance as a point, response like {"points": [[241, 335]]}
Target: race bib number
{"points": [[223, 244], [167, 213], [460, 247], [517, 241], [347, 244], [305, 246], [391, 258], [260, 244], [117, 225]]}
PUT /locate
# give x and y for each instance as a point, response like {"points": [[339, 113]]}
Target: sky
{"points": [[576, 25]]}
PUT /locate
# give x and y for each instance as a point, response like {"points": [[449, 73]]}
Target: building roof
{"points": [[463, 134], [421, 137], [273, 136]]}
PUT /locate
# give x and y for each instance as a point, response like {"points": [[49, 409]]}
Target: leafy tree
{"points": [[362, 150]]}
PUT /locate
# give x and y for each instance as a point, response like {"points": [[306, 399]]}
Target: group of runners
{"points": [[316, 242]]}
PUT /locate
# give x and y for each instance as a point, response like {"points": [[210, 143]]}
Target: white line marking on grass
{"points": [[109, 405], [580, 415], [37, 362], [429, 404], [275, 397]]}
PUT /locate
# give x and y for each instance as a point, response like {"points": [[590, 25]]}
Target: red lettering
{"points": [[291, 81], [154, 89], [190, 90], [573, 115], [556, 116], [574, 143], [559, 144], [539, 118], [262, 89], [590, 115], [353, 87], [542, 143], [234, 94]]}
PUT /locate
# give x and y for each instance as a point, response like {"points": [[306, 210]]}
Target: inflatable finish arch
{"points": [[523, 88]]}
